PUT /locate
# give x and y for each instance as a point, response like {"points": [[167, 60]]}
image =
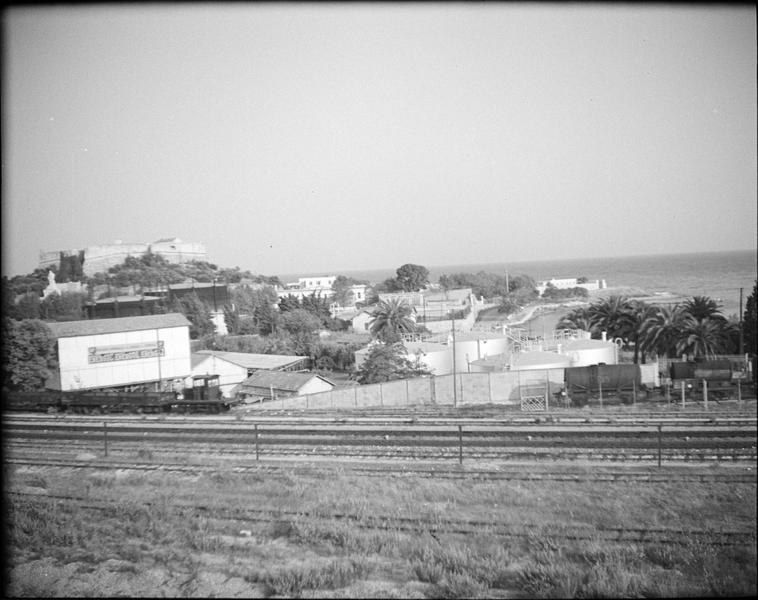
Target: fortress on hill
{"points": [[96, 259]]}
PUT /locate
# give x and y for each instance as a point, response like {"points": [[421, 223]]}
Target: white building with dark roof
{"points": [[152, 350], [234, 367]]}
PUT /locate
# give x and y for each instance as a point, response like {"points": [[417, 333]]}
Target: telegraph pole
{"points": [[742, 341], [455, 385]]}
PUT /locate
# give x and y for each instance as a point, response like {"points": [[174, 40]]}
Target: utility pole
{"points": [[455, 385], [742, 341]]}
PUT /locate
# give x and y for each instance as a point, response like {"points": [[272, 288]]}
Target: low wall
{"points": [[507, 388]]}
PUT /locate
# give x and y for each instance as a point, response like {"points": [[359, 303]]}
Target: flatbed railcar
{"points": [[203, 396]]}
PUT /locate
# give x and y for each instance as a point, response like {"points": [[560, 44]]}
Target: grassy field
{"points": [[122, 546]]}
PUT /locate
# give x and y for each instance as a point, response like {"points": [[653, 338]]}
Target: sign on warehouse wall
{"points": [[101, 354]]}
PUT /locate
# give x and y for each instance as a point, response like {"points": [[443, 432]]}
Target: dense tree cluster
{"points": [[750, 322], [695, 328], [153, 270], [553, 293], [408, 278], [343, 295], [29, 354], [388, 362]]}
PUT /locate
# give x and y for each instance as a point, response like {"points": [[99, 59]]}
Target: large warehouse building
{"points": [[125, 352]]}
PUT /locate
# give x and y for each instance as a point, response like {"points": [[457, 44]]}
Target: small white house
{"points": [[360, 322]]}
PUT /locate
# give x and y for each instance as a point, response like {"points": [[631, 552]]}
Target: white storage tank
{"points": [[491, 364], [528, 361], [475, 345], [437, 358], [583, 353]]}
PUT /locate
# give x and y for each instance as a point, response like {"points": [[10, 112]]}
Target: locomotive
{"points": [[203, 396], [622, 382]]}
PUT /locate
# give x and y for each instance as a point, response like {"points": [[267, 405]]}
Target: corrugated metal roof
{"points": [[279, 380], [249, 360], [101, 326]]}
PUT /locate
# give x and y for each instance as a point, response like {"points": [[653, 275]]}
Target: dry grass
{"points": [[164, 549]]}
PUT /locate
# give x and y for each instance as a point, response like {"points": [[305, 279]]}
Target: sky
{"points": [[331, 138]]}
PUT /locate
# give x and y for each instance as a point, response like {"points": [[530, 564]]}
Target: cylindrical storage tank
{"points": [[527, 361], [583, 353], [491, 364], [473, 345], [437, 358], [714, 370]]}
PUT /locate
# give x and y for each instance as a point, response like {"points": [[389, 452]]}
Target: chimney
{"points": [[603, 334]]}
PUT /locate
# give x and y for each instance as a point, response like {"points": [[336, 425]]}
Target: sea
{"points": [[718, 275]]}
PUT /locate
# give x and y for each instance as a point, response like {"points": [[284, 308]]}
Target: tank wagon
{"points": [[619, 382], [622, 382], [203, 396], [721, 377]]}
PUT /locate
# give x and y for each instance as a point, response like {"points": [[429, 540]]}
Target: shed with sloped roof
{"points": [[264, 386]]}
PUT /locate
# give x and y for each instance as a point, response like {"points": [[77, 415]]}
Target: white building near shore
{"points": [[571, 282]]}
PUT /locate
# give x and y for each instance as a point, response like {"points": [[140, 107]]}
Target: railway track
{"points": [[419, 525], [413, 469], [426, 418], [696, 442]]}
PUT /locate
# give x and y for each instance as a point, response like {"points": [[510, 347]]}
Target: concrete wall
{"points": [[506, 388], [101, 258]]}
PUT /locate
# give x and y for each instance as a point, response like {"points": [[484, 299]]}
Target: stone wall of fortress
{"points": [[101, 258]]}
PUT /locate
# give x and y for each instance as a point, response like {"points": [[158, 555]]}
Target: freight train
{"points": [[720, 379], [203, 396]]}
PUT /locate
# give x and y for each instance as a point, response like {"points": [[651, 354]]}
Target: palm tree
{"points": [[662, 329], [703, 307], [640, 312], [578, 318], [391, 318], [613, 315], [702, 338]]}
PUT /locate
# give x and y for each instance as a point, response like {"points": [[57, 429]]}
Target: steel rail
{"points": [[531, 473]]}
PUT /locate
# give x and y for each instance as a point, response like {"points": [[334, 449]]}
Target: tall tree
{"points": [[412, 278], [612, 315], [640, 313], [750, 322], [197, 313], [343, 293], [703, 307], [390, 319], [702, 338], [578, 318], [387, 362], [662, 330], [29, 354]]}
